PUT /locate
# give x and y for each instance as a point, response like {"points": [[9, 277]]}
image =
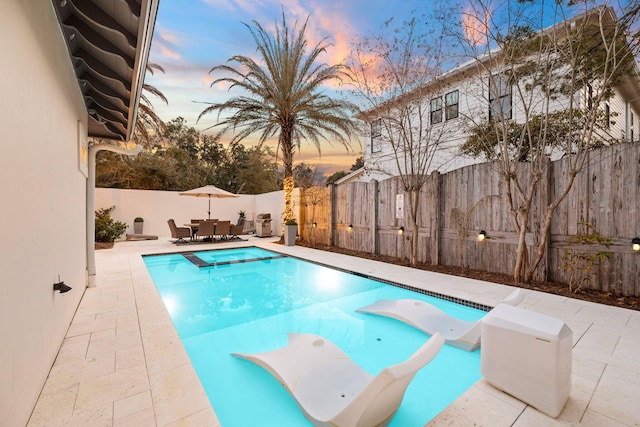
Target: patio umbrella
{"points": [[209, 191]]}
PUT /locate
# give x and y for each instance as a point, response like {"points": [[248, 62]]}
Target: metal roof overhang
{"points": [[108, 43]]}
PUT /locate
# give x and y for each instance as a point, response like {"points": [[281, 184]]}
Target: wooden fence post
{"points": [[332, 192], [373, 224], [435, 222]]}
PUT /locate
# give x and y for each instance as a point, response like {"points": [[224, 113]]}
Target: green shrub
{"points": [[583, 265], [138, 219], [107, 229]]}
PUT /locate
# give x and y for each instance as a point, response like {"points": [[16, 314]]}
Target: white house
{"points": [[455, 100], [70, 69]]}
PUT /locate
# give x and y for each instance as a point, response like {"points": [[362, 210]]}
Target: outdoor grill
{"points": [[263, 225]]}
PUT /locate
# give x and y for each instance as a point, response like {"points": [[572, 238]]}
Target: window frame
{"points": [[449, 108], [505, 94], [376, 134], [433, 111]]}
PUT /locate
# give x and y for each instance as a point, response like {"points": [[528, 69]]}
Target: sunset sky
{"points": [[193, 36]]}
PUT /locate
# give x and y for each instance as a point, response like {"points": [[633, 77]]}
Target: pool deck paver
{"points": [[122, 362]]}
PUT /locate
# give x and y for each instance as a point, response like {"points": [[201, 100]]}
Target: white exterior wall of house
{"points": [[42, 226], [382, 164], [379, 159]]}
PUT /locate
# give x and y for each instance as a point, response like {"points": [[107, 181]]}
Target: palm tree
{"points": [[148, 123], [284, 97]]}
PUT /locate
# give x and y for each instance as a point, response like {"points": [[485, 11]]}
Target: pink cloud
{"points": [[475, 24], [166, 51], [167, 43], [170, 38]]}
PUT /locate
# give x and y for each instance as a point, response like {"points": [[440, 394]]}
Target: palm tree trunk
{"points": [[286, 144]]}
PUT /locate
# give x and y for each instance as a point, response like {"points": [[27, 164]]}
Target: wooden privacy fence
{"points": [[456, 206]]}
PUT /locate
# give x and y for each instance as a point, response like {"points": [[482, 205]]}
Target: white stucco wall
{"points": [[156, 207], [42, 220]]}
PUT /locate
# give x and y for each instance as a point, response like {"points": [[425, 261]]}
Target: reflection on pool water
{"points": [[237, 306]]}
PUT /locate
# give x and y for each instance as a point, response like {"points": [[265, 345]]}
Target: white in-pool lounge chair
{"points": [[331, 389], [430, 320]]}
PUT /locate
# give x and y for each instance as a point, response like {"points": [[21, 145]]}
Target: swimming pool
{"points": [[247, 299]]}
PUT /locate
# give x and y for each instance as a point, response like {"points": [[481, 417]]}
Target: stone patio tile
{"points": [[68, 372], [94, 417], [98, 300], [203, 418], [478, 407], [106, 389], [87, 323], [127, 321], [73, 349], [130, 405], [587, 369], [54, 408], [130, 357], [617, 396], [108, 341], [634, 321], [594, 419], [165, 352], [144, 418], [579, 398], [531, 417], [598, 343], [177, 394]]}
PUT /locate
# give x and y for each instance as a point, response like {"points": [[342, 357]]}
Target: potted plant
{"points": [[290, 232], [137, 225]]}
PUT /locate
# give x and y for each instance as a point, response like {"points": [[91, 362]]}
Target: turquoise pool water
{"points": [[248, 299]]}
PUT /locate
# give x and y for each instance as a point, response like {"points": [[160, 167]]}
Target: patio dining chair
{"points": [[178, 233], [206, 229], [236, 230], [222, 229]]}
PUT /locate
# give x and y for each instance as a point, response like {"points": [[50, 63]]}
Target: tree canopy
{"points": [[183, 158]]}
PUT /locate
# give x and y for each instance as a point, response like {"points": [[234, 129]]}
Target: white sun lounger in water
{"points": [[429, 319], [331, 389]]}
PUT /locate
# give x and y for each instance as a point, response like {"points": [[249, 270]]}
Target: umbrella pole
{"points": [[209, 211]]}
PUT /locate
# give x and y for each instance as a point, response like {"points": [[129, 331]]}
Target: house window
{"points": [[451, 105], [376, 133], [499, 97], [436, 110], [607, 115], [589, 97]]}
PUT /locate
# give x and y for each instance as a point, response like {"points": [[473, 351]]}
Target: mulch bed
{"points": [[600, 297], [104, 245]]}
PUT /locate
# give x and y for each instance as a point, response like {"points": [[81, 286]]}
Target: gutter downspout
{"points": [[91, 185]]}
